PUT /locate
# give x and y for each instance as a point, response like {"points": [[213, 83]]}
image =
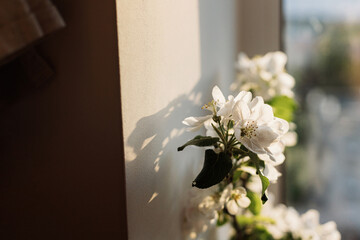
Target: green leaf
{"points": [[264, 180], [200, 141], [216, 168], [283, 107], [256, 204], [265, 184]]}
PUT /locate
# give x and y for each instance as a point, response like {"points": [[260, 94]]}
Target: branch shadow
{"points": [[165, 174]]}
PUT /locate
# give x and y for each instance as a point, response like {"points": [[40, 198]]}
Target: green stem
{"points": [[239, 234], [220, 134]]}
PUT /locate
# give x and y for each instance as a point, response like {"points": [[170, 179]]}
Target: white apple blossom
{"points": [[278, 157], [236, 200], [244, 121], [208, 207], [202, 209], [264, 75], [256, 127], [219, 107], [277, 149], [305, 226], [195, 123], [312, 229], [271, 172], [225, 107], [286, 219], [291, 137], [200, 212]]}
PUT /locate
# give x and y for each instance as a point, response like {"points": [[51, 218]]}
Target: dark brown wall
{"points": [[61, 149]]}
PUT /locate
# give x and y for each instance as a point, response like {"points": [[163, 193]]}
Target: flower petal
{"points": [[240, 191], [274, 154], [195, 121], [271, 158], [232, 207], [248, 169], [264, 136], [265, 114], [218, 96], [243, 62], [256, 103], [265, 75], [249, 144], [225, 195], [275, 61], [226, 109], [310, 219], [243, 202], [286, 80], [244, 96], [289, 139], [241, 111], [271, 173], [278, 125]]}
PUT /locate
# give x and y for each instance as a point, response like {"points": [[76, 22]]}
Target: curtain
{"points": [[23, 22]]}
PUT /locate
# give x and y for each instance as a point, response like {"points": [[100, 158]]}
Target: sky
{"points": [[348, 10]]}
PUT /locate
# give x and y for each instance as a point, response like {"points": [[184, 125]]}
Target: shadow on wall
{"points": [[162, 133], [165, 174]]}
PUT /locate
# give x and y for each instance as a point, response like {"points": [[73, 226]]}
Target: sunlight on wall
{"points": [[171, 55], [159, 66]]}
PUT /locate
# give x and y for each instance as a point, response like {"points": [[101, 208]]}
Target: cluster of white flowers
{"points": [[200, 212], [244, 138], [306, 226], [254, 123], [204, 205], [264, 75], [255, 127]]}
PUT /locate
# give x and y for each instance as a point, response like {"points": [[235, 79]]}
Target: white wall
{"points": [[171, 54]]}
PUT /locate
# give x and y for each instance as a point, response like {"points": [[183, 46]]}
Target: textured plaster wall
{"points": [[171, 55]]}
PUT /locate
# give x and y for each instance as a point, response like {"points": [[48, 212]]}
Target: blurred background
{"points": [[322, 40]]}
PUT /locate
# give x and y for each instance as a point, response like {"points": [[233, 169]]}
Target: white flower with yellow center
{"points": [[256, 127], [236, 200]]}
